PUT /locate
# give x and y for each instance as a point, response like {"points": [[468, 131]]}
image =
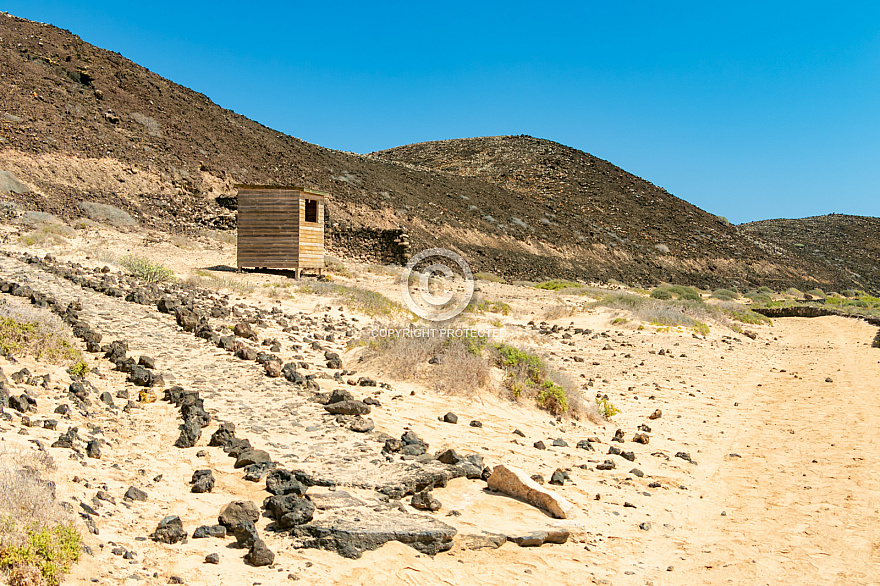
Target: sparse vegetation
{"points": [[462, 364], [145, 269], [27, 330], [182, 242], [725, 294], [667, 292], [557, 285], [743, 314], [552, 397], [527, 375], [335, 266], [366, 301], [606, 409], [457, 364], [679, 312], [484, 306], [387, 270], [758, 297], [560, 310], [862, 304], [204, 279], [661, 312], [701, 328], [48, 234], [38, 541]]}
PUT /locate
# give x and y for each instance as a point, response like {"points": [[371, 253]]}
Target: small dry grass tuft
{"points": [[205, 280], [561, 310]]}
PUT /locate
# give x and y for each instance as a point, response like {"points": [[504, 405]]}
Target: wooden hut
{"points": [[280, 228]]}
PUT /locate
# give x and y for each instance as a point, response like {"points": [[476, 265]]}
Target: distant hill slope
{"points": [[78, 122], [848, 243]]}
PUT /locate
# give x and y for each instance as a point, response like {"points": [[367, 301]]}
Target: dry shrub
{"points": [[405, 352], [205, 280], [25, 497], [38, 541], [48, 234], [182, 242], [559, 311], [26, 329]]}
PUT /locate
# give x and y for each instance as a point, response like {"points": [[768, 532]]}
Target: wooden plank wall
{"points": [[311, 237]]}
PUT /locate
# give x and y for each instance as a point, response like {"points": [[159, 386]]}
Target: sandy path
{"points": [[802, 501], [800, 496]]}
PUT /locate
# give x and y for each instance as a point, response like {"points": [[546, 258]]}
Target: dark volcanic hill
{"points": [[848, 243], [82, 123]]}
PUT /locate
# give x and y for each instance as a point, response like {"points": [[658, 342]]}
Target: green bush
{"points": [[662, 294], [80, 369], [145, 269], [527, 375], [765, 290], [552, 398], [725, 294], [743, 314], [758, 297], [667, 292], [44, 557], [27, 331], [817, 293]]}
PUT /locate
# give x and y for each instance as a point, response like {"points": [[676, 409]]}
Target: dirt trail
{"points": [[802, 500]]}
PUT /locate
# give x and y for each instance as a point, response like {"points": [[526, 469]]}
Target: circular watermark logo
{"points": [[437, 284]]}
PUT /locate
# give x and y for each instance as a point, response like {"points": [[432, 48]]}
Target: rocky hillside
{"points": [[81, 123], [848, 243]]}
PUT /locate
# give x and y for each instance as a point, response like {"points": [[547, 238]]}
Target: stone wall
{"points": [[370, 245]]}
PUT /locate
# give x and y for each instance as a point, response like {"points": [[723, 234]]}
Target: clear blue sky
{"points": [[750, 110]]}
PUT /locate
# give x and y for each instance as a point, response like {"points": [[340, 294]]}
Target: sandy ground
{"points": [[784, 489]]}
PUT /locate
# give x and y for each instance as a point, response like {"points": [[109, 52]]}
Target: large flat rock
{"points": [[516, 483], [350, 532]]}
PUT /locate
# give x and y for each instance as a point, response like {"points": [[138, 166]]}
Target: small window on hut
{"points": [[312, 211]]}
